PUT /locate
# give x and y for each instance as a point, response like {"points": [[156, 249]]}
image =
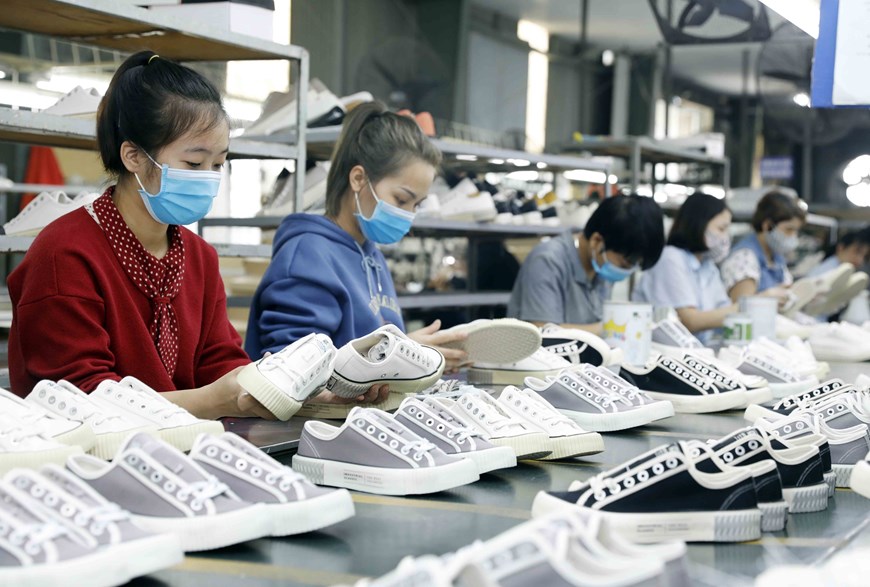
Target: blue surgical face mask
{"points": [[609, 271], [185, 195], [387, 224]]}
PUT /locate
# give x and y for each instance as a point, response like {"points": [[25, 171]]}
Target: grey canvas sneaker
{"points": [[97, 522], [37, 551], [593, 407], [798, 430], [111, 427], [139, 402], [54, 427], [293, 504], [428, 419], [167, 492], [283, 380], [848, 438], [24, 446], [606, 380], [373, 452]]}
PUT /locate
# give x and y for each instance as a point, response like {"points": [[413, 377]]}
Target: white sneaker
{"points": [[478, 207], [43, 210], [478, 408], [795, 354], [139, 402], [500, 340], [279, 112], [50, 426], [829, 286], [283, 380], [386, 356], [567, 438], [752, 360], [110, 426], [79, 102], [373, 452], [23, 446], [541, 364], [838, 342]]}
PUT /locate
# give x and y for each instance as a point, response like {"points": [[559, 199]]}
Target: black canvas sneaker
{"points": [[663, 496], [784, 407], [575, 345], [724, 381], [664, 378]]}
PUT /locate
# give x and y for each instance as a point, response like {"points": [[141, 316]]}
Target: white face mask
{"points": [[718, 245], [781, 244]]}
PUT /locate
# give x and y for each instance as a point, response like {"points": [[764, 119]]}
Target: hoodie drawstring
{"points": [[369, 263]]}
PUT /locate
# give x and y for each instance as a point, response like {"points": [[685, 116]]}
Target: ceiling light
{"points": [[523, 175], [859, 194], [586, 175], [607, 57], [802, 99], [467, 157], [804, 14]]}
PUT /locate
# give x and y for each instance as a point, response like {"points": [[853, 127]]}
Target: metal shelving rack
{"points": [[117, 24], [637, 151]]}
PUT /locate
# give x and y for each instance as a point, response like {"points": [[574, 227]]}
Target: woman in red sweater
{"points": [[120, 287]]}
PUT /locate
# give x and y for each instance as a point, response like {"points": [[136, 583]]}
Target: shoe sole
{"points": [[281, 405], [716, 402], [35, 459], [506, 376], [209, 532], [82, 436], [99, 568], [773, 515], [386, 481], [183, 437], [501, 341], [107, 445], [639, 416], [531, 446], [347, 388], [756, 396], [148, 555], [577, 445], [844, 474], [307, 515], [831, 480], [803, 500], [491, 459], [860, 479], [341, 411]]}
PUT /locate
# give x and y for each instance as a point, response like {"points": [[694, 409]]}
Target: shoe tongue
{"points": [[166, 455], [381, 349]]}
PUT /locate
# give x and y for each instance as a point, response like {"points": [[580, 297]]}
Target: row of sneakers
{"points": [[100, 523], [726, 490], [45, 209], [284, 380], [57, 420], [826, 294], [566, 548], [439, 440]]}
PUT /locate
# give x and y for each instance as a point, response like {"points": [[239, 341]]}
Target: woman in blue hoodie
{"points": [[327, 274]]}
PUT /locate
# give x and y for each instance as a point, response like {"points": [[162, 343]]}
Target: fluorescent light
{"points": [[586, 175], [2, 74], [607, 57], [467, 157], [25, 96], [240, 109], [804, 14], [523, 175], [660, 197], [802, 99], [541, 165], [612, 179], [519, 162], [859, 194], [713, 190], [497, 161], [857, 169]]}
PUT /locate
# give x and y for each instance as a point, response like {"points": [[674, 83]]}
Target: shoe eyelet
{"points": [[412, 411], [169, 487], [753, 444], [241, 465], [143, 468], [196, 505], [37, 491], [418, 457], [440, 428], [739, 451], [430, 422], [256, 472], [658, 469], [156, 477], [67, 511], [211, 451], [382, 437], [360, 423], [600, 495], [461, 441], [371, 430], [642, 476], [394, 444], [727, 457], [41, 393], [284, 485], [419, 416], [51, 500], [270, 478]]}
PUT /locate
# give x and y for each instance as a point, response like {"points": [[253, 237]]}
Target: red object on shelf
{"points": [[42, 167]]}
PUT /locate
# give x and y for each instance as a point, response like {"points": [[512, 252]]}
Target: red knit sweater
{"points": [[77, 316]]}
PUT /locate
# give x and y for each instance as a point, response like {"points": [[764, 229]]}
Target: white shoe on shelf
{"points": [[80, 102], [43, 210]]}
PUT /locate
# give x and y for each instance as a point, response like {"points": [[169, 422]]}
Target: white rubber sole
{"points": [[860, 479], [274, 398], [844, 474], [386, 481], [34, 460], [756, 396], [343, 387], [208, 532], [803, 500], [298, 517], [107, 445], [500, 341], [831, 480], [704, 404], [612, 422], [183, 437], [100, 568], [535, 445], [577, 445], [82, 436], [491, 459], [148, 555], [773, 516], [340, 411], [506, 376]]}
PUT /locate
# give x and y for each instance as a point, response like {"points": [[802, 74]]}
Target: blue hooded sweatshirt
{"points": [[320, 280]]}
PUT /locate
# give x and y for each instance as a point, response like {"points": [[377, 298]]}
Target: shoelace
{"points": [[494, 416], [621, 386], [282, 363], [543, 410], [202, 491], [17, 431], [598, 396], [446, 388], [101, 516], [34, 535], [600, 482], [418, 445], [460, 431]]}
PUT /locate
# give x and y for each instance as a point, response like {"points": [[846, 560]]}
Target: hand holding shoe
{"points": [[433, 336], [376, 394]]}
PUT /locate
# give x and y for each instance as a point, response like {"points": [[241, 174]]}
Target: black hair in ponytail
{"points": [[151, 102]]}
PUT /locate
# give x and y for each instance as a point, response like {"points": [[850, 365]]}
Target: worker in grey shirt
{"points": [[566, 280]]}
